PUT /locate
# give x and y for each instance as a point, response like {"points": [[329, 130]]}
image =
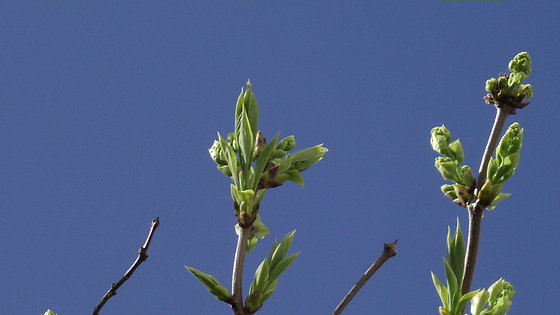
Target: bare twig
{"points": [[389, 250], [142, 256], [237, 275]]}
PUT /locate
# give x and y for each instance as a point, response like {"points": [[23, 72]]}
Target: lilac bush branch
{"points": [[389, 250], [142, 256]]}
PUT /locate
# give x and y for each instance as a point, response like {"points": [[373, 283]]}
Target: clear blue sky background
{"points": [[108, 109]]}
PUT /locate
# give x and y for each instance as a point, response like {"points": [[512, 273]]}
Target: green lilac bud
{"points": [[217, 154], [463, 193], [448, 169], [440, 140], [468, 178], [501, 294], [287, 143], [507, 155], [303, 159], [449, 191], [521, 63], [515, 79], [488, 193], [479, 301], [492, 85], [247, 102], [502, 83], [457, 150], [278, 154], [526, 90]]}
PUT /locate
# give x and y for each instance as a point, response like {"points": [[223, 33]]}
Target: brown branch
{"points": [[142, 256], [389, 250], [237, 275]]}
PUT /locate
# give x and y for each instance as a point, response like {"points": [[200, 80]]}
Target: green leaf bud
{"points": [[278, 154], [502, 83], [211, 283], [515, 79], [501, 294], [440, 140], [286, 144], [526, 90], [521, 63], [448, 169], [217, 154], [467, 178], [492, 85], [449, 191], [457, 149], [488, 192], [225, 169], [507, 155], [463, 193], [252, 108], [246, 195], [479, 301], [303, 159]]}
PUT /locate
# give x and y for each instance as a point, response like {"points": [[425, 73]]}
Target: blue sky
{"points": [[108, 110]]}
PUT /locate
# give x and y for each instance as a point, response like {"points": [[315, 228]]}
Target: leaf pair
{"points": [[452, 299], [266, 275]]}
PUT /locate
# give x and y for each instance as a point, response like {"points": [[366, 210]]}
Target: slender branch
{"points": [[142, 256], [476, 210], [502, 113], [475, 222], [237, 275], [389, 250]]}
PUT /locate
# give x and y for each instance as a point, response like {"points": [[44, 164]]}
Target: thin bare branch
{"points": [[389, 250], [142, 256]]}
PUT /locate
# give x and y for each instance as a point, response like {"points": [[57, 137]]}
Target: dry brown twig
{"points": [[142, 256]]}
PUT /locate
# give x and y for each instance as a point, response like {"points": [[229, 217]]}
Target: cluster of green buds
{"points": [[449, 165], [499, 169], [507, 89], [266, 275], [255, 165], [451, 297], [502, 167], [498, 297]]}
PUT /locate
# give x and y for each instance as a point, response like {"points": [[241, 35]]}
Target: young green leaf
{"points": [[441, 290], [282, 266], [230, 158], [212, 284], [261, 277]]}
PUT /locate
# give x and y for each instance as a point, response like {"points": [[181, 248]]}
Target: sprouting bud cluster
{"points": [[508, 89], [255, 165], [499, 169]]}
